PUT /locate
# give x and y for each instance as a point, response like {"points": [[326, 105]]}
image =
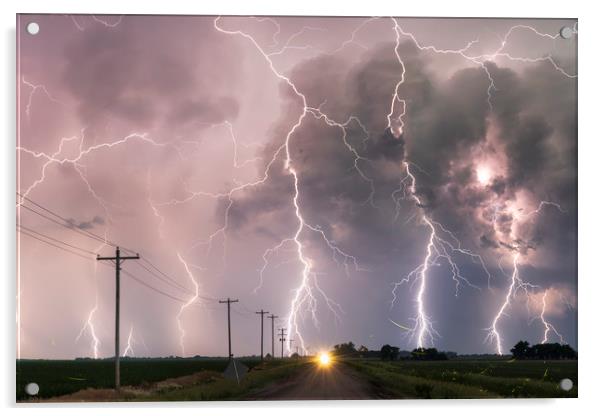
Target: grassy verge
{"points": [[218, 388], [396, 385], [467, 380]]}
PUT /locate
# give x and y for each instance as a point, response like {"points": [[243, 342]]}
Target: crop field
{"points": [[469, 379], [60, 377]]}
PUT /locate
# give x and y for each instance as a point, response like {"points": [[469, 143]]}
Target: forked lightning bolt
{"points": [[441, 242]]}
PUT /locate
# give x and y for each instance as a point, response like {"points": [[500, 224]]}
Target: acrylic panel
{"points": [[287, 207]]}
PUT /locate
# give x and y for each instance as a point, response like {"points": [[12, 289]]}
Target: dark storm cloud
{"points": [[446, 120], [86, 225]]}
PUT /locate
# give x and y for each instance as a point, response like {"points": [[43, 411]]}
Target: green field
{"points": [[469, 379], [59, 377]]}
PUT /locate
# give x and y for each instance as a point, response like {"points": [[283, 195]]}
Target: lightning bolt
{"points": [[130, 343], [548, 326], [306, 294], [516, 283], [442, 243], [89, 327], [192, 300]]}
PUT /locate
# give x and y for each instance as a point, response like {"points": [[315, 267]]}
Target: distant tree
{"points": [[385, 352], [428, 354], [520, 350], [545, 351], [363, 351], [295, 355], [346, 349], [389, 353], [268, 356]]}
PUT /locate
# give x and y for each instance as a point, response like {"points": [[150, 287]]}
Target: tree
{"points": [[347, 349], [545, 351], [521, 350], [428, 354], [389, 353]]}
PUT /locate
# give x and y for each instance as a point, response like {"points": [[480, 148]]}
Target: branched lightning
{"points": [[129, 348], [89, 327], [548, 326], [516, 284], [442, 243], [192, 300], [308, 290]]}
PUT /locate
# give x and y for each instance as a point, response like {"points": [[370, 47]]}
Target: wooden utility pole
{"points": [[262, 312], [272, 317], [282, 339], [118, 260], [229, 301]]}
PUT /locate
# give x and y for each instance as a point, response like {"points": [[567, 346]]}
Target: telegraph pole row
{"points": [[118, 260]]}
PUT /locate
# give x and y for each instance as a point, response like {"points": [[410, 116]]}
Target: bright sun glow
{"points": [[483, 175], [324, 359]]}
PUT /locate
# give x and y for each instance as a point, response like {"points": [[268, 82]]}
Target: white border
{"points": [[590, 150]]}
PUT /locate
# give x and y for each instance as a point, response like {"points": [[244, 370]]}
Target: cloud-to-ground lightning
{"points": [[129, 347], [516, 282], [89, 327], [192, 300], [548, 326], [441, 242], [306, 293], [438, 246]]}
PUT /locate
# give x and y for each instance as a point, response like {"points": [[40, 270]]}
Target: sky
{"points": [[409, 181]]}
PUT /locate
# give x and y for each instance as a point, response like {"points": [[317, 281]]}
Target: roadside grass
{"points": [[218, 388], [396, 385], [460, 379]]}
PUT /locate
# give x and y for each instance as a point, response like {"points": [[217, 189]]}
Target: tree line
{"points": [[548, 351], [390, 353], [522, 350]]}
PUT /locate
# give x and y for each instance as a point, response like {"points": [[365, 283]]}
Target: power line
{"points": [[167, 282], [54, 245], [142, 282], [69, 227], [69, 222], [54, 239]]}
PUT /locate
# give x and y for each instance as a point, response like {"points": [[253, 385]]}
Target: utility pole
{"points": [[229, 301], [282, 339], [118, 260], [262, 312], [272, 317]]}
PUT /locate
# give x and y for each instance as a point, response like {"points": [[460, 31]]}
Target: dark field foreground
{"points": [[202, 379], [61, 377]]}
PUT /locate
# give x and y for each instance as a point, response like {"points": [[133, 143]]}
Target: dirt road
{"points": [[335, 382]]}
